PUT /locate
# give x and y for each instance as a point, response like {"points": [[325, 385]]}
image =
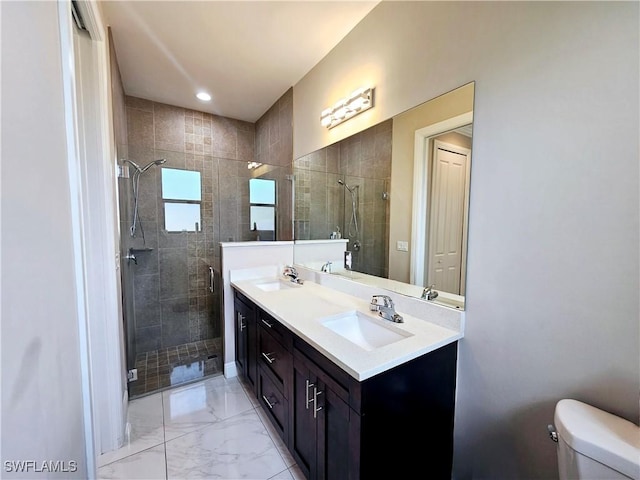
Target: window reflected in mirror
{"points": [[262, 205], [181, 197]]}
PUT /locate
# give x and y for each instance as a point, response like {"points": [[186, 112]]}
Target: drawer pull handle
{"points": [[316, 408], [241, 320], [268, 358], [308, 400], [269, 404], [270, 325]]}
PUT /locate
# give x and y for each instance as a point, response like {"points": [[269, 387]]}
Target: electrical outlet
{"points": [[402, 246], [132, 375]]}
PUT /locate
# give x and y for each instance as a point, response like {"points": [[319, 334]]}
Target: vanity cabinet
{"points": [[396, 424], [324, 437], [246, 336]]}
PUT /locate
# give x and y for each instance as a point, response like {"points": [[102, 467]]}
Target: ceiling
{"points": [[245, 54]]}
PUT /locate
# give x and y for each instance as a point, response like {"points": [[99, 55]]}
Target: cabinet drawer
{"points": [[273, 403], [275, 328], [274, 357]]}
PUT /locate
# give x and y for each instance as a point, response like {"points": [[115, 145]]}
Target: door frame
{"points": [[421, 192], [91, 160]]}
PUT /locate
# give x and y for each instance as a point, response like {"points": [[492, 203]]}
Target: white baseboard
{"points": [[230, 370]]}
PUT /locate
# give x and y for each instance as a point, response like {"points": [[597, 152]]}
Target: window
{"points": [[262, 200], [181, 197]]}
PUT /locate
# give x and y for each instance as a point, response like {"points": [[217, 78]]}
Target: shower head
{"points": [[341, 182], [151, 164]]}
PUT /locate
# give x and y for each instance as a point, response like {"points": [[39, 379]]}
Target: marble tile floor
{"points": [[211, 429]]}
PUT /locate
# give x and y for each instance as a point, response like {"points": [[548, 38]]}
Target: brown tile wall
{"points": [[274, 147]]}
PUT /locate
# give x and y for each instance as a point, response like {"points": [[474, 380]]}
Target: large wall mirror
{"points": [[398, 192]]}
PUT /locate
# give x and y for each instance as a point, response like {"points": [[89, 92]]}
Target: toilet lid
{"points": [[606, 438]]}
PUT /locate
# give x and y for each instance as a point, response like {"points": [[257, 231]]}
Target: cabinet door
{"points": [[303, 432], [321, 440], [246, 342], [252, 351], [241, 337], [334, 449]]}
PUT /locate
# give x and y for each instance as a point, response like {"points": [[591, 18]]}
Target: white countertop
{"points": [[301, 308]]}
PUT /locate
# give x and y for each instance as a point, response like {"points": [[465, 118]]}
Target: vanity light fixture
{"points": [[204, 96], [345, 108]]}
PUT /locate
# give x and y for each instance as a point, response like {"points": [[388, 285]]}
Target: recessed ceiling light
{"points": [[205, 97]]}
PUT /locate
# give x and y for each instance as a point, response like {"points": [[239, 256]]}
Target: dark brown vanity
{"points": [[396, 424]]}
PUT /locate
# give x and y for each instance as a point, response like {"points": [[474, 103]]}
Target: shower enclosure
{"points": [[170, 222], [168, 233], [184, 187]]}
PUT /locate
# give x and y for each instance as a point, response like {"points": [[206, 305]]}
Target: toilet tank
{"points": [[594, 444]]}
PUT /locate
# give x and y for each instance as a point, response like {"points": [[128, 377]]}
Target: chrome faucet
{"points": [[326, 267], [291, 273], [428, 293], [383, 304]]}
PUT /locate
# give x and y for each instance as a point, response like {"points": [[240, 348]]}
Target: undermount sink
{"points": [[271, 285], [365, 331]]}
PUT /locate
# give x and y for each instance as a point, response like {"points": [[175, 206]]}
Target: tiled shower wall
{"points": [[363, 161], [274, 149], [172, 302]]}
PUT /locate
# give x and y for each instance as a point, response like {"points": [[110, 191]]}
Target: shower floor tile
{"points": [[168, 367]]}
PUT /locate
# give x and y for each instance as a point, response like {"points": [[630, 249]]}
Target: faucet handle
{"points": [[429, 293], [386, 300], [289, 270]]}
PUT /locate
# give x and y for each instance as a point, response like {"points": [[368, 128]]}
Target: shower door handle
{"points": [[211, 284]]}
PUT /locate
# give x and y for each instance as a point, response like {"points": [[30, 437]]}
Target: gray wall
{"points": [[41, 378], [553, 267]]}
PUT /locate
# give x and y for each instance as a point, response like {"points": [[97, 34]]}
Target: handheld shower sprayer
{"points": [[341, 182], [353, 222], [135, 181]]}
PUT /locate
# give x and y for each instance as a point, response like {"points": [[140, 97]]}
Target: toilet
{"points": [[594, 444]]}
